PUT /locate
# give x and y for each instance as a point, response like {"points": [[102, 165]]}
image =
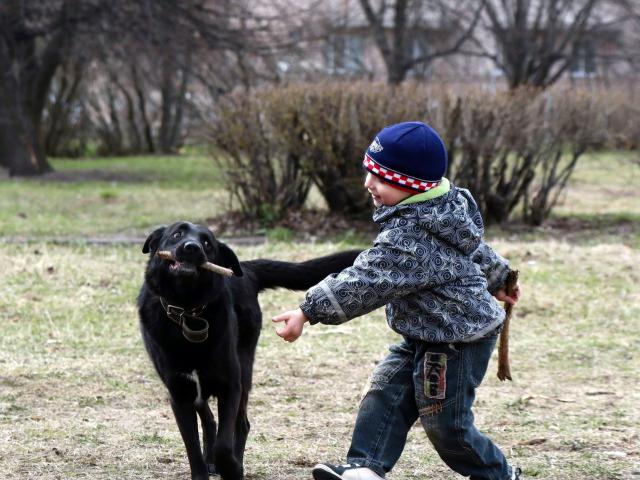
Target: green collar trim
{"points": [[440, 190]]}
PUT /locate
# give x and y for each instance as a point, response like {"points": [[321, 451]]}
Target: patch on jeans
{"points": [[435, 375]]}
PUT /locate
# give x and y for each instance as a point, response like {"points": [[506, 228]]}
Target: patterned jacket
{"points": [[428, 265]]}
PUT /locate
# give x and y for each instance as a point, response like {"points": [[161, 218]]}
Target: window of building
{"points": [[418, 46], [344, 54], [584, 59]]}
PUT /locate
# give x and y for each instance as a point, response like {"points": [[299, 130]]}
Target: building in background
{"points": [[336, 39]]}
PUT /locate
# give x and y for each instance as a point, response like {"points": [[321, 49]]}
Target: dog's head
{"points": [[191, 245]]}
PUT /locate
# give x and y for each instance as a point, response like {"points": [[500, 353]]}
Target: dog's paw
{"points": [[204, 476], [212, 469], [231, 472], [227, 465]]}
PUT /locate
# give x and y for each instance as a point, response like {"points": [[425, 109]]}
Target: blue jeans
{"points": [[435, 382]]}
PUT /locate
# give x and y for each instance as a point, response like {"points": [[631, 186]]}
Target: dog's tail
{"points": [[299, 276]]}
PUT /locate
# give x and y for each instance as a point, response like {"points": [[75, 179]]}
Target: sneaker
{"points": [[350, 471]]}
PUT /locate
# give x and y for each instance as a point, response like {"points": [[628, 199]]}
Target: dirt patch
{"points": [[304, 225], [575, 229], [314, 225]]}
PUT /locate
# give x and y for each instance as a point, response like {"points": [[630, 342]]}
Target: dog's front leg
{"points": [[209, 430], [187, 421], [226, 462]]}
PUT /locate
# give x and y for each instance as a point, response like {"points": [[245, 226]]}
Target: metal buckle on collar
{"points": [[174, 313], [180, 316]]}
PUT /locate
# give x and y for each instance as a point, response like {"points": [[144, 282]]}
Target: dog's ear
{"points": [[229, 259], [151, 244]]}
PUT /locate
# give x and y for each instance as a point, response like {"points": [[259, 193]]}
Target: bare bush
{"points": [[520, 147], [621, 108], [261, 171], [513, 149], [319, 131], [572, 123], [333, 125], [65, 126]]}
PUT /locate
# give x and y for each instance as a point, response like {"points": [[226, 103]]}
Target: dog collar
{"points": [[194, 328]]}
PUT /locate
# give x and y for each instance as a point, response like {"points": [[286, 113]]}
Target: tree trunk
{"points": [[21, 149], [27, 68], [142, 106], [168, 99], [176, 129], [172, 108], [396, 72]]}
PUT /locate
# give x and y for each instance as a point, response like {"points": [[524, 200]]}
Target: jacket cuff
{"points": [[308, 311], [498, 278], [321, 306]]}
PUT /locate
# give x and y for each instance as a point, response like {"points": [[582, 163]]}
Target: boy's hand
{"points": [[294, 321], [502, 296]]}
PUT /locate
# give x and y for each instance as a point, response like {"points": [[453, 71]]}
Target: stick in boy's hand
{"points": [[294, 321], [510, 297]]}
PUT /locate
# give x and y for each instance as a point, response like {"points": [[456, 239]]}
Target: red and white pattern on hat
{"points": [[397, 178]]}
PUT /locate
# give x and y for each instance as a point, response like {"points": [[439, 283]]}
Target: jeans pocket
{"points": [[389, 368], [396, 368]]}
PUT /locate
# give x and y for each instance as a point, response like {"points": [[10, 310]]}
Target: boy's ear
{"points": [[229, 259], [151, 244]]}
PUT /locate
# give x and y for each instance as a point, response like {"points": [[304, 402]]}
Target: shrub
{"points": [[520, 147], [511, 149], [621, 110], [262, 168]]}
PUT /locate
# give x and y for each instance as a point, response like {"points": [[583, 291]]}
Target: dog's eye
{"points": [[206, 244], [177, 234]]}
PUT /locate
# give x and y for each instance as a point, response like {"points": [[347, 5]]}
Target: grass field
{"points": [[111, 196], [79, 399]]}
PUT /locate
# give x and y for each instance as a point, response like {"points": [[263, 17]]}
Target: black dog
{"points": [[201, 329]]}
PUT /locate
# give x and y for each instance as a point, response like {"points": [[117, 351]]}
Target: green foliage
{"points": [[126, 196], [108, 194], [280, 234]]}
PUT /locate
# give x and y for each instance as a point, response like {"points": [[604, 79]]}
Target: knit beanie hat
{"points": [[409, 156]]}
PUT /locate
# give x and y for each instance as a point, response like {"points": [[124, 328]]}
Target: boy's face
{"points": [[382, 193]]}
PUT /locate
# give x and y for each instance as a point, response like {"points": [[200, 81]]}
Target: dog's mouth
{"points": [[182, 268]]}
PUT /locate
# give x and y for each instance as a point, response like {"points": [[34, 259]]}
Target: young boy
{"points": [[432, 270]]}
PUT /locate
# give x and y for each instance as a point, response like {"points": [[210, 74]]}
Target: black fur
{"points": [[224, 362]]}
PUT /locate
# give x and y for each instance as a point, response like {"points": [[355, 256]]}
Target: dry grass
{"points": [[79, 399]]}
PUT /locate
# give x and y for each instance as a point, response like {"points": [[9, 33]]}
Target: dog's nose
{"points": [[191, 247]]}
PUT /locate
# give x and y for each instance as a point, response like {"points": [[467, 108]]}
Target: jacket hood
{"points": [[454, 218]]}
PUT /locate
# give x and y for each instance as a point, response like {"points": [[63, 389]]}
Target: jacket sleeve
{"points": [[493, 266], [377, 276]]}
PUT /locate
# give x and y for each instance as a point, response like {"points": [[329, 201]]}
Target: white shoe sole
{"points": [[322, 472]]}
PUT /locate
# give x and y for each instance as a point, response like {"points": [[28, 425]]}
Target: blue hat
{"points": [[408, 155]]}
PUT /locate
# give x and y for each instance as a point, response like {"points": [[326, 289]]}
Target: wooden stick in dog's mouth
{"points": [[212, 267]]}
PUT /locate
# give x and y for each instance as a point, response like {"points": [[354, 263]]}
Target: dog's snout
{"points": [[192, 247]]}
